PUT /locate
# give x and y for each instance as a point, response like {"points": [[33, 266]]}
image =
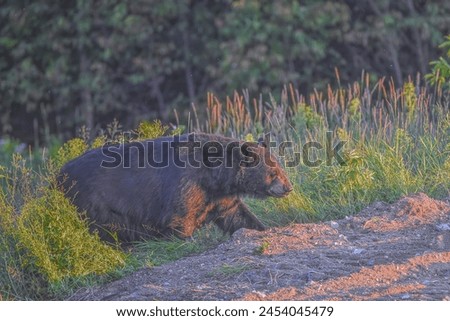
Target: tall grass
{"points": [[363, 109], [396, 143]]}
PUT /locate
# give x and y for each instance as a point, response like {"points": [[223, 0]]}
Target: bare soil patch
{"points": [[397, 251]]}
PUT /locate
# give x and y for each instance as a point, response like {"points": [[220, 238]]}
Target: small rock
{"points": [[443, 241], [443, 227], [334, 224], [310, 276], [357, 251], [406, 296], [379, 205], [259, 293]]}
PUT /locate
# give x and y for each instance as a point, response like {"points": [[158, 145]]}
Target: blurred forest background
{"points": [[65, 64]]}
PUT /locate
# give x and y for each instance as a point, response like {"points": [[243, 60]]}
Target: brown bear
{"points": [[172, 185]]}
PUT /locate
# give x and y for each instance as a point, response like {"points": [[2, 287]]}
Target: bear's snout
{"points": [[279, 189]]}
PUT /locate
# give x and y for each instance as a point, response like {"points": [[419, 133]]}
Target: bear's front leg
{"points": [[233, 214]]}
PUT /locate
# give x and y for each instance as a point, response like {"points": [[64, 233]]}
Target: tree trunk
{"points": [[423, 62], [157, 93], [86, 94], [188, 68], [84, 78]]}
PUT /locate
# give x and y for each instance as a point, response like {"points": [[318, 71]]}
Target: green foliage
{"points": [[8, 147], [151, 130], [249, 138], [306, 118], [354, 107], [262, 249], [440, 75], [75, 63], [70, 150], [377, 169], [352, 178], [409, 94], [265, 43], [58, 243], [43, 241], [227, 270], [157, 252], [155, 129]]}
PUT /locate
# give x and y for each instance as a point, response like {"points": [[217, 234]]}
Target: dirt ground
{"points": [[397, 251]]}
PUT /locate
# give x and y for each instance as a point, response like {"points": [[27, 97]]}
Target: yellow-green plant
{"points": [[354, 106], [151, 130], [306, 117], [354, 177], [70, 150], [57, 242], [440, 74], [43, 240], [409, 94], [98, 141], [155, 129], [249, 138]]}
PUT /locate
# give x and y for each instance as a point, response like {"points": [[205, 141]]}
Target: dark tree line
{"points": [[64, 64]]}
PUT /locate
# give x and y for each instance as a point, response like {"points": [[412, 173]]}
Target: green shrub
{"points": [[43, 240], [70, 150], [440, 75], [57, 242], [155, 129]]}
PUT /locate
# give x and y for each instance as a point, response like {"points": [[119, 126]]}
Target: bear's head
{"points": [[260, 174]]}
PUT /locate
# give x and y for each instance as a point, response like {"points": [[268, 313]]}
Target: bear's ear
{"points": [[265, 140], [262, 143]]}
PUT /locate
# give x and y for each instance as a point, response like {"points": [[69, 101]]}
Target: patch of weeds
{"points": [[45, 246], [155, 129], [262, 248], [70, 150], [227, 270], [58, 243], [159, 251]]}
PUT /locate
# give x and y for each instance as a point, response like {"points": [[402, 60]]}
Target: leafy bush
{"points": [[58, 243], [70, 150], [43, 240], [150, 130], [440, 74]]}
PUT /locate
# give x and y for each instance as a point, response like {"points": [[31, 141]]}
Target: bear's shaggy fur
{"points": [[135, 198]]}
